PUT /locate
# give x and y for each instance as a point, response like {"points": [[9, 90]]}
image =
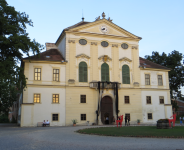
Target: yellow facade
{"points": [[94, 55]]}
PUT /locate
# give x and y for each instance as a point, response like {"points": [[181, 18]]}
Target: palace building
{"points": [[91, 72]]}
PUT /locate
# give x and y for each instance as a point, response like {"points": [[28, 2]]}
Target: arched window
{"points": [[105, 72], [83, 72], [125, 74]]}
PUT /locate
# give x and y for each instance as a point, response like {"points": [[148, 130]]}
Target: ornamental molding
{"points": [[71, 41], [71, 81], [105, 58], [125, 59], [114, 45], [82, 56], [93, 43], [134, 47]]}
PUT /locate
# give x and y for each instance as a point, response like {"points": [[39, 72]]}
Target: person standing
{"points": [[125, 120], [180, 121], [183, 119], [128, 121], [113, 120], [107, 120]]}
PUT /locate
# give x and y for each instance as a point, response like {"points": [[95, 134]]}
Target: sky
{"points": [[160, 23]]}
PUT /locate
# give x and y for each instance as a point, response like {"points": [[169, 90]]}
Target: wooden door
{"points": [[106, 109]]}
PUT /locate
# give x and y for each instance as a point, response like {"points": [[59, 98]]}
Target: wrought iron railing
{"points": [[104, 85]]}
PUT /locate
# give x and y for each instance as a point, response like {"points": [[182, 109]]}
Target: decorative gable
{"points": [[125, 59]]}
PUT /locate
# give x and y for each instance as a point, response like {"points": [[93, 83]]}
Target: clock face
{"points": [[104, 29]]}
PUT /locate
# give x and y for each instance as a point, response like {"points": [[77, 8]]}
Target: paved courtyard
{"points": [[16, 138]]}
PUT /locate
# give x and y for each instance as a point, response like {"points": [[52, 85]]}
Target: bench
{"points": [[40, 124]]}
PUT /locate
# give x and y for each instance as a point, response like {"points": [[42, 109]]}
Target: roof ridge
{"points": [[155, 63], [76, 24]]}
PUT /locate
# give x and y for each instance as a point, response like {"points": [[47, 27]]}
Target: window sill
{"points": [[83, 103], [37, 103], [148, 104], [55, 103]]}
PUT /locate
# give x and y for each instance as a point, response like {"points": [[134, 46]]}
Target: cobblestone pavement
{"points": [[47, 138]]}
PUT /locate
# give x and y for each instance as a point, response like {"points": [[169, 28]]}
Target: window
{"points": [[125, 74], [37, 73], [160, 80], [127, 100], [105, 72], [148, 99], [83, 72], [82, 41], [127, 115], [36, 98], [55, 74], [54, 117], [55, 98], [83, 116], [147, 79], [83, 98], [104, 43], [150, 116], [161, 98], [124, 46]]}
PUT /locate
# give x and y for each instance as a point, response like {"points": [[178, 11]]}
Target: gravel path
{"points": [[66, 138]]}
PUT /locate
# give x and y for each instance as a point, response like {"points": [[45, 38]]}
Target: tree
{"points": [[14, 42], [174, 105], [174, 61]]}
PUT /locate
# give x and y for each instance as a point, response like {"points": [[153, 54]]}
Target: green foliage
{"points": [[4, 119], [163, 120], [74, 121], [138, 120], [136, 131], [173, 61], [175, 105], [14, 42]]}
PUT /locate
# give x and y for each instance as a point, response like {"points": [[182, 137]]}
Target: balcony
{"points": [[104, 85]]}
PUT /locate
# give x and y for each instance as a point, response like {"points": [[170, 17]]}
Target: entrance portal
{"points": [[106, 110]]}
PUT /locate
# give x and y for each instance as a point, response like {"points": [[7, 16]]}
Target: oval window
{"points": [[82, 41], [124, 46], [104, 43]]}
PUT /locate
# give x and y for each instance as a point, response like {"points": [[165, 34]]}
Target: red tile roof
{"points": [[49, 55], [149, 64]]}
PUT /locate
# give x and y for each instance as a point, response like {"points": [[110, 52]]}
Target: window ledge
{"points": [[55, 103]]}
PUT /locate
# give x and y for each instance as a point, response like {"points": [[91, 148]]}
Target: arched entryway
{"points": [[106, 110]]}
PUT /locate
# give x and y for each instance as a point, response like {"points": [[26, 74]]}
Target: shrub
{"points": [[4, 119]]}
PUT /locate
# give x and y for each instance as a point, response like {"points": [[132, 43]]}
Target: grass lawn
{"points": [[136, 131]]}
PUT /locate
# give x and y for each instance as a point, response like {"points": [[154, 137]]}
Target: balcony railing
{"points": [[104, 85]]}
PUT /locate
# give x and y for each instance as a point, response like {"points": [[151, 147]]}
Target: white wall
{"points": [[157, 109], [82, 49], [62, 47], [46, 73], [153, 78], [32, 114]]}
